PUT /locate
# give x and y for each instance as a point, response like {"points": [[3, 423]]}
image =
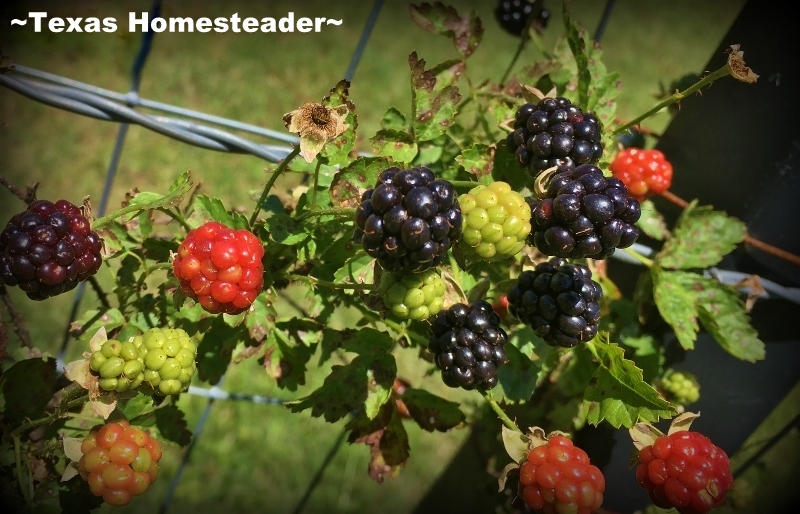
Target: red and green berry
{"points": [[644, 172], [220, 268], [48, 249]]}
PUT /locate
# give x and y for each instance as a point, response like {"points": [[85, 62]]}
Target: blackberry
{"points": [[514, 15], [409, 220], [554, 133], [584, 214], [414, 296], [498, 221], [48, 249], [558, 301], [468, 344]]}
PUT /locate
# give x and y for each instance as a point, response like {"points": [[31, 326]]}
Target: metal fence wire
{"points": [[207, 131]]}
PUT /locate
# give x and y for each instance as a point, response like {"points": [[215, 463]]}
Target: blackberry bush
{"points": [[409, 220], [554, 133], [514, 15], [558, 301], [48, 249], [468, 345], [414, 296], [497, 222], [584, 214]]}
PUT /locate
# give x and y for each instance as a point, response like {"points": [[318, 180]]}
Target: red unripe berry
{"points": [[644, 172]]}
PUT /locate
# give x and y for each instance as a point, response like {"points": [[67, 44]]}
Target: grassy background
{"points": [[260, 457]]}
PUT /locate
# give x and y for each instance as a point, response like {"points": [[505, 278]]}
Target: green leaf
{"points": [[285, 361], [27, 387], [283, 229], [337, 151], [143, 201], [618, 393], [393, 120], [676, 304], [701, 238], [432, 412], [387, 439], [135, 406], [478, 160], [171, 424], [216, 348], [652, 222], [576, 37], [434, 111], [358, 269], [397, 145], [647, 354], [517, 377], [92, 320], [205, 209], [517, 444], [465, 31], [261, 318], [351, 182], [364, 383]]}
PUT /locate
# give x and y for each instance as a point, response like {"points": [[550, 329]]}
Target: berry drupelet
{"points": [[584, 214], [514, 15], [409, 220], [554, 133], [468, 345]]}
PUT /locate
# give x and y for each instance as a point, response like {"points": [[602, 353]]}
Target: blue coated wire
{"points": [[601, 27], [362, 43]]}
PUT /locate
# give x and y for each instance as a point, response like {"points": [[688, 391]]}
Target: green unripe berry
{"points": [[137, 381], [170, 370], [189, 347], [186, 376], [112, 367], [123, 384], [152, 377], [154, 338], [108, 384], [132, 368], [129, 351], [414, 296], [167, 387], [185, 358], [96, 360], [111, 348], [172, 347], [156, 358]]}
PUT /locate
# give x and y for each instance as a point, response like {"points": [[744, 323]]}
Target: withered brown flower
{"points": [[316, 124]]}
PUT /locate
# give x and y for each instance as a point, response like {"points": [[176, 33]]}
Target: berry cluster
{"points": [[514, 15], [680, 387], [558, 301], [644, 172], [496, 221], [119, 461], [220, 268], [414, 296], [685, 470], [554, 133], [409, 220], [468, 345], [584, 214], [48, 248], [558, 477]]}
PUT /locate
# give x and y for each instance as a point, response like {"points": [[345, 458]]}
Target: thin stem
{"points": [[676, 97], [271, 182], [16, 318], [464, 183], [28, 197], [340, 211], [639, 257], [748, 239], [176, 217], [508, 422], [316, 181], [332, 285], [397, 327], [18, 459], [49, 419], [101, 295], [523, 40]]}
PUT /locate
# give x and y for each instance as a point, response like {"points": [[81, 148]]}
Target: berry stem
{"points": [[464, 183], [316, 180], [508, 422], [176, 217], [18, 458], [271, 182], [397, 327], [523, 40], [52, 417], [341, 211], [101, 295], [676, 97], [16, 318], [28, 197], [748, 239], [332, 285], [639, 257]]}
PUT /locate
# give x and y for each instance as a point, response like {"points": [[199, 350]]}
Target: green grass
{"points": [[258, 458]]}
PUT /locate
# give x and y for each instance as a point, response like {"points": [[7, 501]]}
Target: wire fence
{"points": [[203, 130]]}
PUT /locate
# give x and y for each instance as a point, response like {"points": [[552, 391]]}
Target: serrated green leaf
{"points": [[216, 348], [285, 360], [676, 304], [358, 269], [701, 238], [652, 222], [143, 201], [648, 355], [517, 377], [477, 160], [433, 111], [27, 387], [618, 393], [135, 406], [205, 209], [337, 151], [351, 182], [397, 145], [432, 412], [465, 31], [364, 383], [283, 229], [393, 120], [171, 425], [261, 318], [387, 439], [91, 321]]}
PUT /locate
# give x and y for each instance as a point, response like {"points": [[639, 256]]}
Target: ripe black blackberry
{"points": [[468, 342], [558, 301], [584, 214], [409, 220], [48, 248], [513, 15], [554, 133]]}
